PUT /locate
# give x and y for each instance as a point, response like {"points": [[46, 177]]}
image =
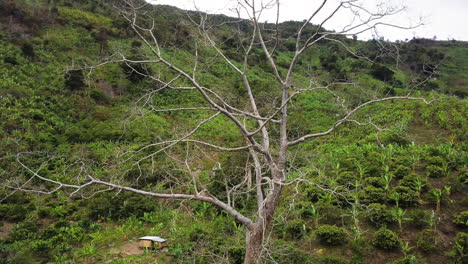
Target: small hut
{"points": [[153, 242]]}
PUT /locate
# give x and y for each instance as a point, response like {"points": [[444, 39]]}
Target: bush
{"points": [[380, 215], [331, 235], [296, 228], [435, 160], [382, 72], [13, 212], [433, 171], [313, 194], [411, 180], [286, 252], [427, 240], [329, 260], [74, 80], [420, 218], [461, 219], [371, 194], [41, 248], [329, 214], [401, 171], [347, 178], [408, 197], [410, 259], [386, 239], [236, 255], [108, 205], [377, 182], [460, 248]]}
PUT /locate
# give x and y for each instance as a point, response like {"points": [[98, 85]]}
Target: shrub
{"points": [[401, 171], [13, 212], [408, 196], [74, 80], [461, 219], [331, 235], [236, 255], [99, 96], [411, 181], [377, 182], [41, 247], [329, 214], [435, 160], [330, 260], [386, 239], [83, 18], [460, 248], [286, 252], [420, 218], [25, 230], [108, 205], [313, 194], [380, 215], [346, 178], [296, 228], [410, 259], [433, 171], [382, 72], [427, 240], [371, 194]]}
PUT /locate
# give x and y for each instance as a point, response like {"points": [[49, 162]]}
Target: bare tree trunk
{"points": [[255, 236], [254, 241]]}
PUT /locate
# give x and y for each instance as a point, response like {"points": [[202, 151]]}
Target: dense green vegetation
{"points": [[409, 179]]}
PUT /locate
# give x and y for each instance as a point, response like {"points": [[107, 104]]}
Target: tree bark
{"points": [[254, 241], [255, 235]]}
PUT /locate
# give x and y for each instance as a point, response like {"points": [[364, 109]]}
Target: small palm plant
{"points": [[400, 216], [327, 198], [395, 196], [419, 184], [448, 192], [437, 195], [361, 170], [406, 248], [355, 213], [387, 180], [315, 215]]}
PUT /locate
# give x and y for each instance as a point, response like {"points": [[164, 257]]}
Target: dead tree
{"points": [[266, 152]]}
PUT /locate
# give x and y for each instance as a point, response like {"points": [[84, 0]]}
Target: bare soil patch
{"points": [[128, 249], [5, 229]]}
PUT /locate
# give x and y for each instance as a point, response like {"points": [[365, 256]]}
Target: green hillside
{"points": [[391, 191]]}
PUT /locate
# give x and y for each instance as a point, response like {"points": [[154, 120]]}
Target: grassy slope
{"points": [[40, 113]]}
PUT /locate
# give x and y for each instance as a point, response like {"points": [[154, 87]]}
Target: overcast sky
{"points": [[446, 19]]}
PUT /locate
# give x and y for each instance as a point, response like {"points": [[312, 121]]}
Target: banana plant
{"points": [[327, 198], [459, 252], [357, 233], [387, 180], [433, 221], [336, 168], [355, 213], [400, 216], [448, 192], [361, 170], [406, 248], [419, 187], [437, 195], [396, 197]]}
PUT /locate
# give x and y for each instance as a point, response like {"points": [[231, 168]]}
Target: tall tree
{"points": [[262, 124]]}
